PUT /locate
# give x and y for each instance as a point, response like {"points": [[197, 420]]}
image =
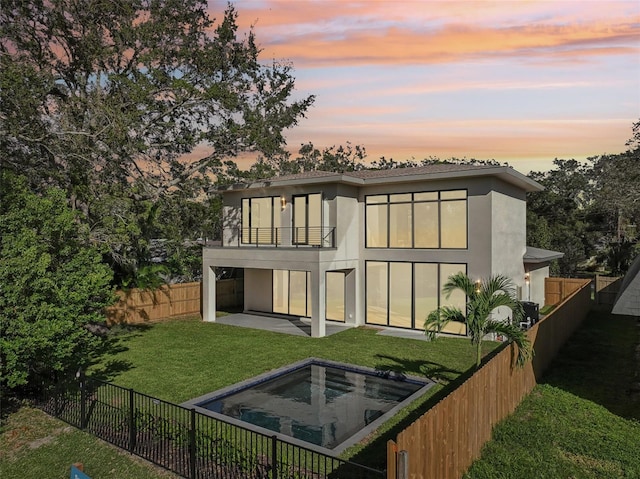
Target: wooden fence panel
{"points": [[171, 301], [557, 289], [444, 442], [607, 288]]}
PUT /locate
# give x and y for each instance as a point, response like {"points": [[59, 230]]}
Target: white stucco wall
{"points": [[258, 289], [496, 242], [508, 234], [534, 292]]}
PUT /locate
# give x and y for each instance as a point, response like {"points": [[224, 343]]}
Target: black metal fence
{"points": [[187, 442]]}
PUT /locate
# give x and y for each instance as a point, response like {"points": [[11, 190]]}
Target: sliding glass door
{"points": [[291, 292]]}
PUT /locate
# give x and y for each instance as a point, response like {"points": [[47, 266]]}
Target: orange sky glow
{"points": [[521, 82]]}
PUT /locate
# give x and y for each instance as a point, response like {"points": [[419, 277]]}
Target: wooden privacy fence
{"points": [[171, 301], [557, 289], [607, 288], [444, 442]]}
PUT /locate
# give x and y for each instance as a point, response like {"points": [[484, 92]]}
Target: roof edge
{"points": [[538, 255]]}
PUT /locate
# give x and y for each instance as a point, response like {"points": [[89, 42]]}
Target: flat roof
{"points": [[397, 175]]}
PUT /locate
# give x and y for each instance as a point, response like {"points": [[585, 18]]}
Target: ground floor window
{"points": [[292, 292], [335, 295], [402, 294]]}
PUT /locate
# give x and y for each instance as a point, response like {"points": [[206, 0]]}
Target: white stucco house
{"points": [[374, 246]]}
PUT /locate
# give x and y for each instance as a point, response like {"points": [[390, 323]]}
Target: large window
{"points": [[307, 219], [291, 292], [403, 294], [436, 219], [261, 220]]}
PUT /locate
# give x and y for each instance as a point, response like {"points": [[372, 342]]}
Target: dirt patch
{"points": [[48, 439]]}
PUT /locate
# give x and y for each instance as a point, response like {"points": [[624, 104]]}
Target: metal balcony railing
{"points": [[303, 236]]}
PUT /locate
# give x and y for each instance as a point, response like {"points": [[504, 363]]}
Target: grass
{"points": [[181, 359], [584, 420], [33, 444], [581, 423]]}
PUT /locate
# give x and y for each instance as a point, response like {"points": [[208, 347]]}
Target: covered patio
{"points": [[278, 323], [302, 326]]}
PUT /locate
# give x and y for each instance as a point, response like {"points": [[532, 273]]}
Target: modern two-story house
{"points": [[374, 247]]}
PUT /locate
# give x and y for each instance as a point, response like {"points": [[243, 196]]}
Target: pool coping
{"points": [[274, 373]]}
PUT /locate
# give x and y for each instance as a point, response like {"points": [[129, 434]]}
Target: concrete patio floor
{"points": [[278, 324], [302, 326]]}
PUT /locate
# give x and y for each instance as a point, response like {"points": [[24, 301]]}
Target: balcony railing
{"points": [[309, 236]]}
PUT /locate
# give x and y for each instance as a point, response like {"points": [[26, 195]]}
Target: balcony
{"points": [[298, 237]]}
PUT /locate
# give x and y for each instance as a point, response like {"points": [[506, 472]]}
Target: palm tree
{"points": [[483, 298]]}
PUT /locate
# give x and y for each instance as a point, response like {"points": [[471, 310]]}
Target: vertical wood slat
{"points": [[392, 460], [557, 290], [169, 301], [445, 441]]}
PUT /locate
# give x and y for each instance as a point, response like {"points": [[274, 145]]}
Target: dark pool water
{"points": [[320, 404]]}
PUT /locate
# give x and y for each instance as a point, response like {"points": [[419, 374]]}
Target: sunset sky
{"points": [[516, 81]]}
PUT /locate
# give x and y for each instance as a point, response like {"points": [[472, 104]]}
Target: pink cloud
{"points": [[457, 42], [351, 33]]}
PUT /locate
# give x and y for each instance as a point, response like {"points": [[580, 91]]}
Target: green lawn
{"points": [[181, 359], [584, 421], [34, 445]]}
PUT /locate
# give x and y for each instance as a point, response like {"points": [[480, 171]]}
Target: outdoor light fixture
{"points": [[478, 282], [526, 278], [283, 202]]}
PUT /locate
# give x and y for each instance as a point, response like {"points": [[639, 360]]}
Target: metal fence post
{"points": [[192, 445], [83, 399], [274, 456], [403, 465], [132, 421]]}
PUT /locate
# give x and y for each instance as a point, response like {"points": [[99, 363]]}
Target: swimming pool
{"points": [[322, 403]]}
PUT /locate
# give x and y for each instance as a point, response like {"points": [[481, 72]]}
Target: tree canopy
{"points": [[97, 92], [53, 284], [590, 211], [125, 104]]}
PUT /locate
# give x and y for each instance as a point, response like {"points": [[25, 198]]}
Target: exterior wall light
{"points": [[526, 278], [283, 202], [478, 283]]}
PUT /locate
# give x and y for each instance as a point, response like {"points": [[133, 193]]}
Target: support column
{"points": [[208, 294], [318, 304]]}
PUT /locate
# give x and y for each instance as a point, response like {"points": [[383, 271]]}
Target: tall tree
{"points": [[53, 286], [98, 91], [557, 216], [616, 199], [120, 102]]}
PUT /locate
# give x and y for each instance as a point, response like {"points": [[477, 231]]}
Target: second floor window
{"points": [[261, 220], [307, 219], [435, 219]]}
